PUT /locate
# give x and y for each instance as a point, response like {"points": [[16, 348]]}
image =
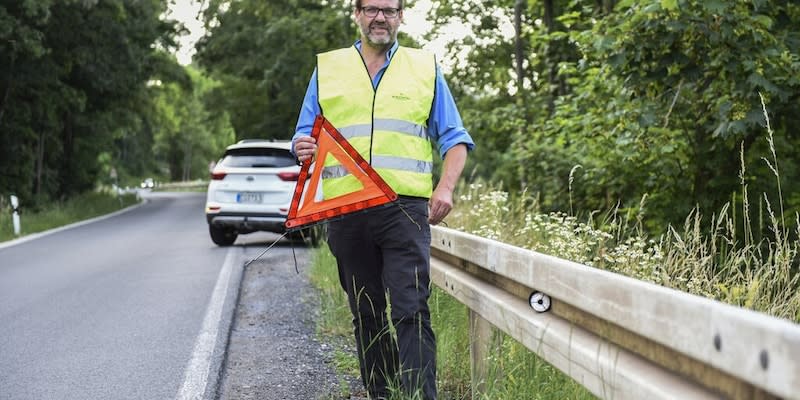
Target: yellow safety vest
{"points": [[387, 125]]}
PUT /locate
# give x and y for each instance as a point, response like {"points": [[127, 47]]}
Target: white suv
{"points": [[250, 190]]}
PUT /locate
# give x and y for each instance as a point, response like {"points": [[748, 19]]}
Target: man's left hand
{"points": [[441, 201], [440, 204]]}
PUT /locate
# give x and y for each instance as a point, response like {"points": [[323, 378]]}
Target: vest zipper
{"points": [[374, 96]]}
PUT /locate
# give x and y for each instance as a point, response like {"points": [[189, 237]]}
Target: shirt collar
{"points": [[389, 53]]}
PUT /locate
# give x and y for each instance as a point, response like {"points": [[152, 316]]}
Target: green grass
{"points": [[56, 214], [706, 256], [703, 257], [524, 376], [189, 186], [335, 319], [515, 373]]}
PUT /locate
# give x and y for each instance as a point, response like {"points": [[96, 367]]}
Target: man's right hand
{"points": [[304, 148]]}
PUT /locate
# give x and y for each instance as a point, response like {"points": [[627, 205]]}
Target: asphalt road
{"points": [[135, 306]]}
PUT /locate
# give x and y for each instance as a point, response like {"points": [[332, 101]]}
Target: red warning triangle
{"points": [[306, 209]]}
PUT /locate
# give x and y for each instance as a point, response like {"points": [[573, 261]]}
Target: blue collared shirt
{"points": [[445, 128]]}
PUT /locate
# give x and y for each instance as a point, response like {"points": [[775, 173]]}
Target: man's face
{"points": [[378, 30]]}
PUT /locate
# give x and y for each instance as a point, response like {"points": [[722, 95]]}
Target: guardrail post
{"points": [[484, 340], [15, 215]]}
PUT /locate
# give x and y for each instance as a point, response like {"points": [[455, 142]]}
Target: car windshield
{"points": [[258, 158]]}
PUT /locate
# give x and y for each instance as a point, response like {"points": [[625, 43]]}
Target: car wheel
{"points": [[222, 236], [311, 236]]}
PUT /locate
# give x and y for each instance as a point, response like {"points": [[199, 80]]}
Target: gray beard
{"points": [[382, 41]]}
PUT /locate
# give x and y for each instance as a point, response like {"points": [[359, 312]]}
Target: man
{"points": [[389, 102]]}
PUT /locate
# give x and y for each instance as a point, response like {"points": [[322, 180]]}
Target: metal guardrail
{"points": [[618, 337]]}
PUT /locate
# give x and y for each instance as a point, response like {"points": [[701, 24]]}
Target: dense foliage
{"points": [[87, 87], [588, 105], [600, 104], [263, 54]]}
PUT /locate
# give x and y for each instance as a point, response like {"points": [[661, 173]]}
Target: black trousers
{"points": [[383, 256]]}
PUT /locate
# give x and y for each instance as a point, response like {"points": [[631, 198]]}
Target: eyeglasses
{"points": [[372, 12]]}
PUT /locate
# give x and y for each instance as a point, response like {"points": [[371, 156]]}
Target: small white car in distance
{"points": [[250, 189]]}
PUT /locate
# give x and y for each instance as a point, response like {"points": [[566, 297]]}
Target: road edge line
{"points": [[203, 372], [37, 235]]}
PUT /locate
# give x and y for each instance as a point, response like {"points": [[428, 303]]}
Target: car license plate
{"points": [[250, 198]]}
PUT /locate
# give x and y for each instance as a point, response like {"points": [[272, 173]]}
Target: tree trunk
{"points": [[519, 54], [187, 163], [7, 92], [552, 73], [67, 143], [549, 19], [175, 160], [608, 6], [604, 7], [39, 163], [519, 51], [701, 169]]}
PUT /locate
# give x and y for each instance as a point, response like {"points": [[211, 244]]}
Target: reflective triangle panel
{"points": [[307, 206]]}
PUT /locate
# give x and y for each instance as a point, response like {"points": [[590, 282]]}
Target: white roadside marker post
{"points": [[15, 215]]}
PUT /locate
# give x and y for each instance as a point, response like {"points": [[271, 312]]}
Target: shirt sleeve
{"points": [[308, 111], [445, 127]]}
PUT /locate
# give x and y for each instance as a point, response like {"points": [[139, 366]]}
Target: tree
{"points": [[187, 136], [72, 78], [633, 99], [686, 104], [263, 53]]}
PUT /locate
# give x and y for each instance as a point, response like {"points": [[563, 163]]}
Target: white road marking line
{"points": [[196, 376], [37, 235]]}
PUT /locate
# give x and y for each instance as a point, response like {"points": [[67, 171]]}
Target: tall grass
{"points": [[705, 256], [524, 376], [60, 213], [334, 321], [515, 373], [701, 257]]}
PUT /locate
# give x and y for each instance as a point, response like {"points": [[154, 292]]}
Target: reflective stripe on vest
{"points": [[394, 125], [386, 126], [402, 164]]}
